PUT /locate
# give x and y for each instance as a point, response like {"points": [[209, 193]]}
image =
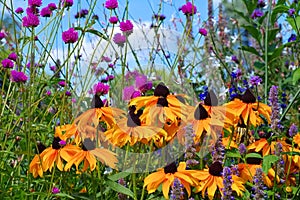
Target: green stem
{"points": [[290, 105], [266, 52]]}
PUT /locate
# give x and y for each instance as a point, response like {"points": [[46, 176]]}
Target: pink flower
{"points": [[19, 10], [126, 26], [55, 190], [7, 63], [52, 6], [30, 20], [70, 36], [46, 12], [34, 3], [105, 58], [68, 93], [127, 92], [67, 3], [111, 4], [188, 9], [53, 68], [13, 56], [100, 89], [2, 35], [62, 83], [48, 93], [203, 31], [119, 39], [32, 10], [113, 19], [17, 77], [62, 143]]}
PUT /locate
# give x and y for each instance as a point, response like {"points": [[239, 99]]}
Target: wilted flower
{"points": [[19, 10], [18, 76], [30, 20], [70, 36], [13, 56], [111, 4], [7, 63], [119, 39], [126, 27], [188, 9], [203, 31], [113, 19], [46, 12], [159, 17]]}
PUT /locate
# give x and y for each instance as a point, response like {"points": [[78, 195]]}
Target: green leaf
{"points": [[118, 176], [253, 32], [277, 52], [119, 188], [296, 76], [272, 34], [253, 155], [295, 23], [98, 33], [233, 154], [268, 161], [250, 49], [291, 153], [259, 65], [279, 9], [63, 195]]}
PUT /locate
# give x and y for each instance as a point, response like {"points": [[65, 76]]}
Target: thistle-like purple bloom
{"points": [[203, 31], [18, 77], [62, 83], [188, 9], [100, 89], [227, 182], [293, 130], [55, 190], [19, 10], [257, 13], [2, 35], [111, 4], [34, 3], [119, 39], [122, 196], [52, 6], [13, 56], [273, 98], [46, 12], [82, 13], [31, 20], [126, 27], [70, 36], [48, 93], [255, 80], [68, 93], [113, 19], [7, 63]]}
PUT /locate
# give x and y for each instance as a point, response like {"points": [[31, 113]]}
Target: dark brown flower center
{"points": [[170, 168], [41, 147], [55, 143], [133, 120], [254, 161], [211, 99], [88, 144], [248, 97], [162, 101], [216, 169], [97, 102], [200, 113], [161, 90]]}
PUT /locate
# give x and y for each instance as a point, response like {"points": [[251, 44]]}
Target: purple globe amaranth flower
{"points": [[68, 93], [2, 35], [291, 12], [100, 89], [13, 56], [110, 77], [67, 3], [55, 190], [53, 68], [48, 93], [126, 27], [293, 130], [19, 10], [292, 38], [273, 98], [188, 9], [7, 63], [119, 39], [30, 20], [46, 12], [18, 77], [52, 6], [32, 10], [257, 13], [255, 80], [203, 31], [113, 19], [70, 36], [35, 3], [111, 4], [82, 13], [62, 83]]}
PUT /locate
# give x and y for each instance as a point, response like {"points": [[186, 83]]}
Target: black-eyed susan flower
{"points": [[267, 148], [249, 109], [166, 177], [211, 179], [89, 155], [36, 165]]}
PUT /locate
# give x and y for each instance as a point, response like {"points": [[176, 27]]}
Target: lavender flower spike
{"points": [[273, 98]]}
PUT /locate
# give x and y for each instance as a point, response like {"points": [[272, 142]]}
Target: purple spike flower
{"points": [[227, 182], [273, 98]]}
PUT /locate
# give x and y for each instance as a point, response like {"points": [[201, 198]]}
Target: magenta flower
{"points": [[46, 12], [17, 77], [62, 83], [255, 80], [32, 10], [68, 93], [13, 56], [100, 89], [52, 6], [113, 19], [48, 93], [2, 35], [70, 36], [203, 31], [128, 92], [111, 4], [35, 3], [7, 63], [291, 12], [30, 20], [19, 10], [62, 143], [109, 78], [111, 65], [105, 58], [188, 9], [257, 13], [126, 26], [119, 39], [67, 3], [55, 190], [53, 68]]}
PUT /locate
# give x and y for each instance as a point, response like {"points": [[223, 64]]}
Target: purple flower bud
{"points": [[203, 31], [291, 12], [113, 19], [13, 56], [19, 10], [293, 130], [55, 190]]}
